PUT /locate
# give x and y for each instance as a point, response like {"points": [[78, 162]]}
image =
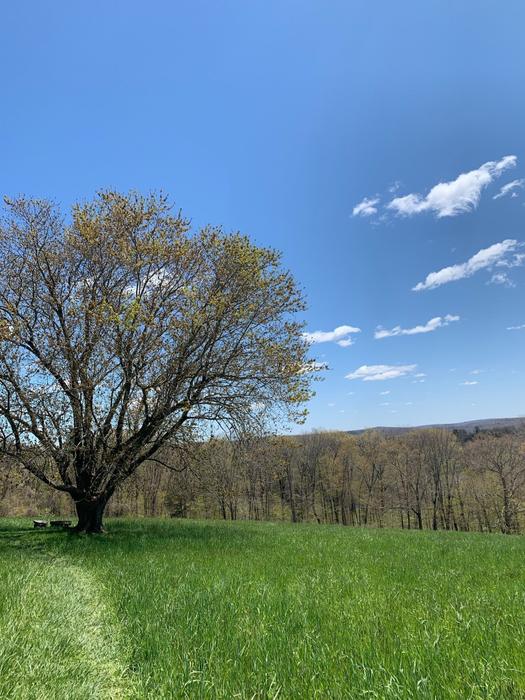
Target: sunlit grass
{"points": [[186, 609]]}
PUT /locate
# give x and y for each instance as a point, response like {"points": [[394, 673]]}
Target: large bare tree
{"points": [[122, 332]]}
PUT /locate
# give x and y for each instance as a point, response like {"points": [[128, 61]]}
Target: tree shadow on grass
{"points": [[31, 541], [142, 533], [128, 535]]}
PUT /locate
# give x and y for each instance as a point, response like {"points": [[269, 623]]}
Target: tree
{"points": [[371, 465], [408, 455], [503, 458], [441, 454], [122, 332]]}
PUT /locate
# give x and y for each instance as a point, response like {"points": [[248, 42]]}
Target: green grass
{"points": [[185, 609]]}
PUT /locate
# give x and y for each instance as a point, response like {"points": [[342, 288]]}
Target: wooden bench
{"points": [[61, 523], [40, 523]]}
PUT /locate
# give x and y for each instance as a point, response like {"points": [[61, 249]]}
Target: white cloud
{"points": [[384, 393], [455, 197], [375, 373], [496, 254], [367, 207], [514, 261], [509, 187], [419, 375], [516, 328], [469, 383], [395, 186], [501, 278], [385, 403], [339, 335], [148, 285], [432, 325]]}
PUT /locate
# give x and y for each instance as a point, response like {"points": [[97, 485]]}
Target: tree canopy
{"points": [[122, 331]]}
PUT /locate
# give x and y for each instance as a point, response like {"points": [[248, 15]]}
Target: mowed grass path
{"points": [[184, 609]]}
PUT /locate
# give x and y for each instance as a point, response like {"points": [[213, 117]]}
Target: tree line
{"points": [[421, 479]]}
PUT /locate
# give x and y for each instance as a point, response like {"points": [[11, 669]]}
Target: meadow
{"points": [[204, 609]]}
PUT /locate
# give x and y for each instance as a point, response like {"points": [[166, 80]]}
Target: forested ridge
{"points": [[422, 479]]}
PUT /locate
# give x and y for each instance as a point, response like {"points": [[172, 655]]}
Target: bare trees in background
{"points": [[423, 479], [501, 464]]}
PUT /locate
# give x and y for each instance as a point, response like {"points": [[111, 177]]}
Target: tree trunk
{"points": [[419, 519], [90, 515]]}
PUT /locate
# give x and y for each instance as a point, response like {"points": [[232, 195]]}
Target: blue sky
{"points": [[279, 118]]}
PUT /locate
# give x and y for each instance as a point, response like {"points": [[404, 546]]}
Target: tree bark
{"points": [[90, 515]]}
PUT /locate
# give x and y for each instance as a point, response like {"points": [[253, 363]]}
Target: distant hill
{"points": [[468, 426]]}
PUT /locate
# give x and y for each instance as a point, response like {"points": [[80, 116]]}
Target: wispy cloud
{"points": [[469, 383], [367, 207], [501, 278], [509, 187], [498, 254], [516, 328], [377, 373], [428, 327], [456, 196], [395, 186], [340, 335]]}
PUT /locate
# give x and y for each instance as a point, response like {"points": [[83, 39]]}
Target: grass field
{"points": [[182, 609]]}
